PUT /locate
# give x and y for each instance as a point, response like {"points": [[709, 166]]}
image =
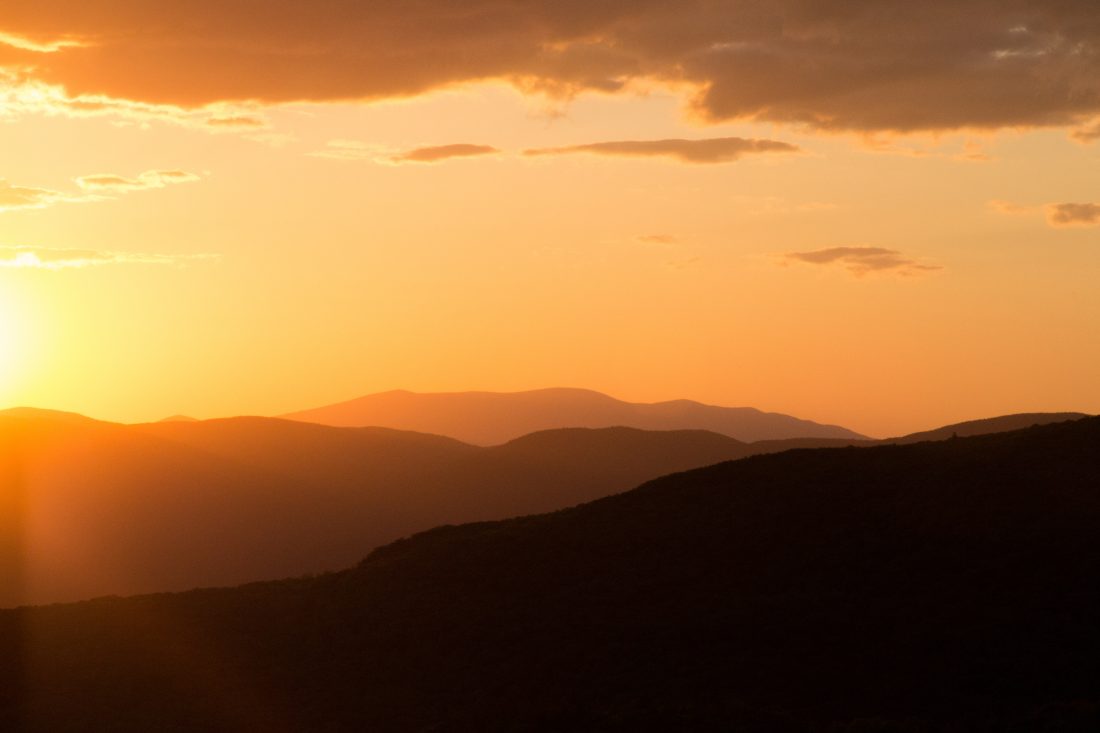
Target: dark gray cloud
{"points": [[1066, 215], [830, 64]]}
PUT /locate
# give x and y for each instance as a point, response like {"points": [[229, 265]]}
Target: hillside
{"points": [[490, 418], [988, 426], [94, 508], [929, 587]]}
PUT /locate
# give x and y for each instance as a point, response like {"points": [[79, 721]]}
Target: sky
{"points": [[880, 214]]}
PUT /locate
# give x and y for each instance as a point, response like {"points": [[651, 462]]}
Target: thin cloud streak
{"points": [[711, 150], [145, 181], [436, 153], [862, 261], [13, 198], [46, 258], [359, 150], [658, 239]]}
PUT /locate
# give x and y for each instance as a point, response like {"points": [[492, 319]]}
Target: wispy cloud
{"points": [[247, 122], [1010, 208], [27, 197], [436, 153], [861, 261], [1087, 133], [777, 205], [658, 239], [1069, 215], [359, 150], [1058, 215], [708, 150], [23, 96], [46, 258], [27, 44], [145, 181], [348, 150]]}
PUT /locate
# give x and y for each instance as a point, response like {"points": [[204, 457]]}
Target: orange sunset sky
{"points": [[883, 215]]}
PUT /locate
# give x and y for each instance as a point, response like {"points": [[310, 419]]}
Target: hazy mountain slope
{"points": [[988, 426], [178, 418], [35, 413], [94, 508], [490, 418], [940, 586]]}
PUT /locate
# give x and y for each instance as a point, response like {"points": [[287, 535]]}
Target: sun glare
{"points": [[7, 349]]}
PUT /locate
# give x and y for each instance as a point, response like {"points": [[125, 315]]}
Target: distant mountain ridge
{"points": [[90, 507], [492, 418], [936, 587]]}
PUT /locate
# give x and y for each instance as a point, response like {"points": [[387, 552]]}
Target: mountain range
{"points": [[936, 586], [93, 508], [490, 418]]}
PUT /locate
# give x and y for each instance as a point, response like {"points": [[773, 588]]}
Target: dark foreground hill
{"points": [[489, 418], [947, 586]]}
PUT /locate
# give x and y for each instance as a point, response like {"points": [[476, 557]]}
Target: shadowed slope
{"points": [[489, 418], [939, 586], [988, 426]]}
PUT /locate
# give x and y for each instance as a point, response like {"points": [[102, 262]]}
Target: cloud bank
{"points": [[861, 261], [829, 64], [712, 150]]}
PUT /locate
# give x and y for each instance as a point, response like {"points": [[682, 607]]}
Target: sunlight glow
{"points": [[7, 347]]}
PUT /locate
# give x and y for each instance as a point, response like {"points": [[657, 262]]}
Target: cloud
{"points": [[46, 258], [1010, 208], [358, 150], [147, 180], [779, 206], [26, 44], [25, 197], [828, 64], [712, 150], [1057, 215], [861, 261], [95, 187], [1067, 215], [433, 154], [1087, 133], [661, 239], [21, 95], [348, 150], [236, 121]]}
